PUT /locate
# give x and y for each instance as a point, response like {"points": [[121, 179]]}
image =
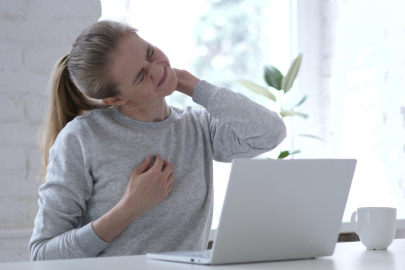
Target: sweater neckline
{"points": [[151, 125]]}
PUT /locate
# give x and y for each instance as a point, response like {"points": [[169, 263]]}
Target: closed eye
{"points": [[153, 53]]}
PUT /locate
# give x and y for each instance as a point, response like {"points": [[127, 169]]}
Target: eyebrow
{"points": [[148, 52]]}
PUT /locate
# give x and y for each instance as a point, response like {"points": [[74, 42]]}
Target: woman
{"points": [[103, 195]]}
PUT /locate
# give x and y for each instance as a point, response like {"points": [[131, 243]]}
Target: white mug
{"points": [[375, 226]]}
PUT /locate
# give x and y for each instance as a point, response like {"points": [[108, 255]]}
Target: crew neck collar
{"points": [[138, 123]]}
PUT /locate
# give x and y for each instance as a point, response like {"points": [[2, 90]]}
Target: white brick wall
{"points": [[13, 245], [33, 35]]}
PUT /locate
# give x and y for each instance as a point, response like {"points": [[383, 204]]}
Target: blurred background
{"points": [[352, 72]]}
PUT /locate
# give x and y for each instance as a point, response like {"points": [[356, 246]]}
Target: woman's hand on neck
{"points": [[186, 82]]}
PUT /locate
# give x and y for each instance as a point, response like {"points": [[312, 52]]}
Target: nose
{"points": [[156, 73]]}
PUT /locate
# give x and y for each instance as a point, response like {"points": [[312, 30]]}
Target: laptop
{"points": [[277, 210]]}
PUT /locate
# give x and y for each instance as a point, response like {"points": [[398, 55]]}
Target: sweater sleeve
{"points": [[62, 200], [239, 127]]}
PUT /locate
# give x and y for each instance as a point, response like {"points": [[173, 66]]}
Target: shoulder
{"points": [[73, 137], [193, 114], [76, 131], [87, 122], [188, 111]]}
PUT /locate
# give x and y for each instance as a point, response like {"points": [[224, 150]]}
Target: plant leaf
{"points": [[286, 113], [283, 154], [273, 76], [311, 136], [288, 79], [299, 103], [257, 89]]}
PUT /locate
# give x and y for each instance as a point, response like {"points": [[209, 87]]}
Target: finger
{"points": [[170, 179], [167, 169], [166, 180], [158, 163], [169, 187], [144, 166], [152, 161]]}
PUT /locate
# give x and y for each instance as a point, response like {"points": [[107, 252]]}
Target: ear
{"points": [[114, 101]]}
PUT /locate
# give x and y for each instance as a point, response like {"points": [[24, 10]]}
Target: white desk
{"points": [[347, 256]]}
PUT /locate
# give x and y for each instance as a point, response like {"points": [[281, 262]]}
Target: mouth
{"points": [[163, 77]]}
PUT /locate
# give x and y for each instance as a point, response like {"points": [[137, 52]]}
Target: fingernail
{"points": [[147, 158]]}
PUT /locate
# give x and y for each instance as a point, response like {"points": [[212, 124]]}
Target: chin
{"points": [[169, 92], [171, 84]]}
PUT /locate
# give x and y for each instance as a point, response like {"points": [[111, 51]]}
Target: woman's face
{"points": [[138, 68]]}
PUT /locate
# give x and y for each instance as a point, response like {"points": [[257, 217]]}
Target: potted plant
{"points": [[276, 81]]}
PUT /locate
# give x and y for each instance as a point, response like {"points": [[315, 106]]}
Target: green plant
{"points": [[277, 81]]}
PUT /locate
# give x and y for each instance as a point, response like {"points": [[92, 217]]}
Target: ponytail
{"points": [[80, 80], [66, 102]]}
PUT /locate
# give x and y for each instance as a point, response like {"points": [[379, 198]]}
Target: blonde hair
{"points": [[79, 80]]}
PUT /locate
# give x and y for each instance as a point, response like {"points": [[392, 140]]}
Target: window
{"points": [[358, 107]]}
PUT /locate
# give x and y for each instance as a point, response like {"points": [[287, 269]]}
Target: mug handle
{"points": [[354, 221]]}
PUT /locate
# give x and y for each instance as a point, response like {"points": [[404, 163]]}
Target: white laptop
{"points": [[277, 210]]}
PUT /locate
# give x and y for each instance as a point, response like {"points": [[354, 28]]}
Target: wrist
{"points": [[187, 83], [125, 212], [112, 223], [190, 86]]}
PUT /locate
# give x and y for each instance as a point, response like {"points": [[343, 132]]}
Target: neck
{"points": [[155, 112]]}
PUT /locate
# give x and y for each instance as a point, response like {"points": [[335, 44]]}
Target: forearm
{"points": [[71, 244], [239, 127], [248, 119], [112, 223]]}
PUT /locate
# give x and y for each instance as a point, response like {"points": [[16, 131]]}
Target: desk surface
{"points": [[346, 256]]}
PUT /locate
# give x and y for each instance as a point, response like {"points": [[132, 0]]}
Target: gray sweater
{"points": [[93, 156]]}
